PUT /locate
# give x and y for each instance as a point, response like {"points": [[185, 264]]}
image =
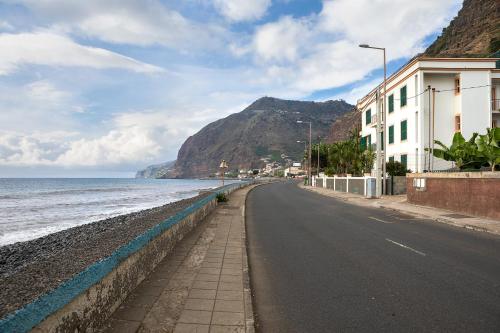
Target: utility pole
{"points": [[319, 146], [380, 134], [310, 152], [433, 112], [379, 148], [429, 134]]}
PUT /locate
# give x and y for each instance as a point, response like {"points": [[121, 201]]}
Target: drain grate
{"points": [[456, 216]]}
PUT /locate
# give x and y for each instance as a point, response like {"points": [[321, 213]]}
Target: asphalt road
{"points": [[318, 264]]}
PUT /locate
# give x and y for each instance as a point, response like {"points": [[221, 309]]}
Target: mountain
{"points": [[267, 128], [155, 171], [343, 126], [475, 31]]}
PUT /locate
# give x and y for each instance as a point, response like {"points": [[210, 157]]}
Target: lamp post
{"points": [[223, 166], [380, 138], [309, 176], [305, 150]]}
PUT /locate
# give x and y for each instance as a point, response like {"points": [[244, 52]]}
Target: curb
{"points": [[421, 215]]}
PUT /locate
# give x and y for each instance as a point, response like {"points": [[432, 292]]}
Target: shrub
{"points": [[395, 168], [221, 197]]}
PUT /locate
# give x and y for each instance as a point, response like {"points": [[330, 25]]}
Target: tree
{"points": [[488, 147], [368, 158]]}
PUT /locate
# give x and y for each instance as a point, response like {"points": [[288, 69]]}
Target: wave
{"points": [[65, 192]]}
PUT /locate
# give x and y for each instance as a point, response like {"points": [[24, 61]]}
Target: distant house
{"points": [[466, 99], [294, 170]]}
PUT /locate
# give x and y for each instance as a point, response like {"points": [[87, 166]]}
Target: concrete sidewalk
{"points": [[399, 203], [202, 287]]}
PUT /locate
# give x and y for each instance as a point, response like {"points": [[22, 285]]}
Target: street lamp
{"points": [[380, 138], [305, 150], [223, 166], [309, 176]]}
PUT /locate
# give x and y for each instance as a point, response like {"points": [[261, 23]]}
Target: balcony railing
{"points": [[495, 105], [374, 120]]}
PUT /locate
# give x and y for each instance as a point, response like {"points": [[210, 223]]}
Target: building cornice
{"points": [[420, 59]]}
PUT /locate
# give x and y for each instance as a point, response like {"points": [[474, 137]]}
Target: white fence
{"points": [[355, 185]]}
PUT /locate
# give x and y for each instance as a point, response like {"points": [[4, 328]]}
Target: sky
{"points": [[102, 88]]}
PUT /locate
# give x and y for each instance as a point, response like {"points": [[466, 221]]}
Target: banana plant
{"points": [[463, 153], [488, 146]]}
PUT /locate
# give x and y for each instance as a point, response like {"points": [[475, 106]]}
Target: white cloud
{"points": [[280, 41], [134, 22], [6, 26], [321, 51], [398, 25], [135, 137], [46, 48], [242, 10]]}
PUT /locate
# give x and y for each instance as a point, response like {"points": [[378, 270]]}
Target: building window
{"points": [[404, 135], [403, 96], [494, 123], [368, 116], [391, 158], [391, 103], [457, 123], [457, 85], [366, 142], [391, 134], [404, 160]]}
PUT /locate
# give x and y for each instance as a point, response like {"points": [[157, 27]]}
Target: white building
{"points": [[464, 96]]}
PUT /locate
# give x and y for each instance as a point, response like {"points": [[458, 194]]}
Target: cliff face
{"points": [[343, 127], [475, 31], [267, 128], [155, 171]]}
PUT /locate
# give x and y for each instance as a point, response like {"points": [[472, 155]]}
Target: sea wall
{"points": [[84, 302]]}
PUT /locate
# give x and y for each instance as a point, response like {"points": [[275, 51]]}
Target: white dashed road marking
{"points": [[406, 247]]}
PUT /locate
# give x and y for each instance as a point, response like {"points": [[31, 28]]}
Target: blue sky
{"points": [[102, 88]]}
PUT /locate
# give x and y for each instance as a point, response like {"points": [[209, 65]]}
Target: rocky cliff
{"points": [[267, 128], [155, 171], [474, 32], [344, 126]]}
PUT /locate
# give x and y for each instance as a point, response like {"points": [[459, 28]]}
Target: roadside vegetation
{"points": [[477, 152], [352, 156]]}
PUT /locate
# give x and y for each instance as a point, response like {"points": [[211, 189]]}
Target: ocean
{"points": [[32, 208]]}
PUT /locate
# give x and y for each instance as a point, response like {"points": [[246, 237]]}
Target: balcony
{"points": [[374, 120], [495, 105]]}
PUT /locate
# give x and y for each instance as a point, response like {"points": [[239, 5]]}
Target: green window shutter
{"points": [[404, 160], [403, 95], [363, 143], [391, 158], [404, 136], [368, 116], [391, 103], [391, 134], [369, 140]]}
